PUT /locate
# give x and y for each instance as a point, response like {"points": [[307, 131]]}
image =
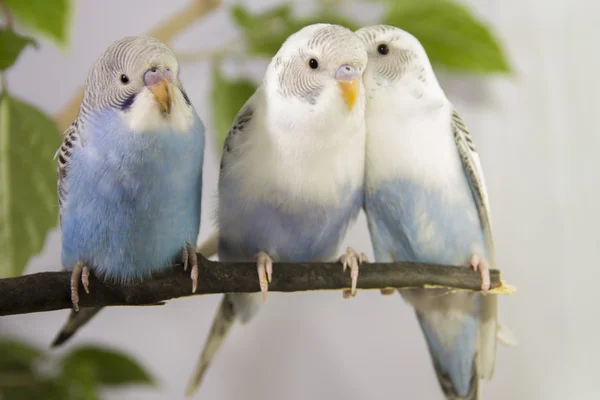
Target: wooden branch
{"points": [[163, 32], [48, 291]]}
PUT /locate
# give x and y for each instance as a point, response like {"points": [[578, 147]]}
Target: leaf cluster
{"points": [[26, 372], [28, 137]]}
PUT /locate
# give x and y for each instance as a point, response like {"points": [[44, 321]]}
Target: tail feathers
{"points": [[488, 334], [210, 246], [450, 390], [222, 323], [76, 320], [505, 336], [452, 341]]}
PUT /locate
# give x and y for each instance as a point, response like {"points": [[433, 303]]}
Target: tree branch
{"points": [[48, 291], [164, 32]]}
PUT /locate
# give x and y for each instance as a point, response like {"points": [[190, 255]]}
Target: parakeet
{"points": [[292, 168], [426, 201], [129, 172]]}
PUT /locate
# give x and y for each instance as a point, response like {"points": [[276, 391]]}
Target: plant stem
{"points": [[9, 26], [4, 83], [233, 46], [7, 15]]}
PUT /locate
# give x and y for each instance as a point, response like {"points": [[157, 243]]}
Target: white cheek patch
{"points": [[145, 115], [382, 81]]}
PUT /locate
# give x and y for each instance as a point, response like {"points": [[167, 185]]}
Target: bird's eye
{"points": [[124, 79], [383, 49], [313, 63]]}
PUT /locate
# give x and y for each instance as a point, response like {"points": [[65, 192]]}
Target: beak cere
{"points": [[163, 93], [349, 92]]}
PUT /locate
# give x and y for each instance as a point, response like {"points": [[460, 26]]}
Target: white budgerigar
{"points": [[426, 201], [292, 169]]}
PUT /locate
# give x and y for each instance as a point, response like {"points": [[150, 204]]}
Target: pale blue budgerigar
{"points": [[426, 201], [292, 169], [129, 173]]}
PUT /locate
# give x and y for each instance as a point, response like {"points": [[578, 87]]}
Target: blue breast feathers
{"points": [[133, 199], [410, 222], [308, 233]]}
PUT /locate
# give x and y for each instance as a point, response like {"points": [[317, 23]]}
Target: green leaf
{"points": [[53, 389], [50, 18], [17, 355], [28, 205], [451, 35], [19, 393], [81, 378], [228, 97], [243, 18], [107, 367], [265, 33], [11, 45], [20, 379], [23, 387]]}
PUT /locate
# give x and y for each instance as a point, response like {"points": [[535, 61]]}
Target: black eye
{"points": [[314, 64], [383, 49], [124, 79]]}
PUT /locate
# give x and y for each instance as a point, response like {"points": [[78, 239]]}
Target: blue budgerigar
{"points": [[426, 201], [292, 168], [129, 172]]}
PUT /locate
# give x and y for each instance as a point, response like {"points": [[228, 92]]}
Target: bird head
{"points": [[137, 76]]}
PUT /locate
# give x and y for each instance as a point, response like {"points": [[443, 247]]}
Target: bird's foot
{"points": [[189, 257], [480, 264], [352, 260], [388, 291], [264, 265], [80, 271]]}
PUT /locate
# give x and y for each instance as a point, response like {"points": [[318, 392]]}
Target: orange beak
{"points": [[349, 91], [163, 93]]}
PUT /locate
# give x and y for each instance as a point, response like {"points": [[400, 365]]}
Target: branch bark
{"points": [[163, 32], [49, 291]]}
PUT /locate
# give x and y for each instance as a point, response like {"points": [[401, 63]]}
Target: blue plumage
{"points": [[454, 360], [129, 173], [306, 233], [402, 213], [133, 198], [426, 201], [409, 222]]}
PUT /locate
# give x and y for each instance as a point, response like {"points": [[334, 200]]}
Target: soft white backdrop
{"points": [[539, 150]]}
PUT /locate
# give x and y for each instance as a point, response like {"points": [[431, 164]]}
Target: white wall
{"points": [[539, 153]]}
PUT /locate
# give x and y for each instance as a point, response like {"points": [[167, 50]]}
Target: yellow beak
{"points": [[349, 91], [163, 93]]}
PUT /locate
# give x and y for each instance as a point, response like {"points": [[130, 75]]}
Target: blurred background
{"points": [[522, 73]]}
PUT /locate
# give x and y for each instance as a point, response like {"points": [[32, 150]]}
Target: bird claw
{"points": [[388, 291], [80, 271], [264, 265], [480, 264], [189, 257], [184, 257], [352, 260]]}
